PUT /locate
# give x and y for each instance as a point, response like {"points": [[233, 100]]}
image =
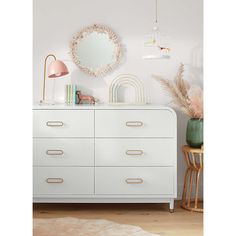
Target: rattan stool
{"points": [[194, 160]]}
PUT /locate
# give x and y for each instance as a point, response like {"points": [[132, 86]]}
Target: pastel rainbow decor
{"points": [[124, 80]]}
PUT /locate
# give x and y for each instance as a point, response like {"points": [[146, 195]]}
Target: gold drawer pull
{"points": [[54, 123], [134, 181], [134, 123], [54, 152], [54, 180], [134, 152]]}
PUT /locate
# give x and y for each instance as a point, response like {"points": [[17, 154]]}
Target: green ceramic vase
{"points": [[194, 133]]}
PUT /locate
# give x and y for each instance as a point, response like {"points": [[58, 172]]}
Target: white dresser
{"points": [[104, 154]]}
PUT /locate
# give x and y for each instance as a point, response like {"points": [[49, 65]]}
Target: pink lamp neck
{"points": [[44, 80]]}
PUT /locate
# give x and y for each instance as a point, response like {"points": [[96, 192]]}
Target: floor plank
{"points": [[154, 218]]}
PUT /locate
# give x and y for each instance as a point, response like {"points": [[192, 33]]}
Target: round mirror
{"points": [[96, 50]]}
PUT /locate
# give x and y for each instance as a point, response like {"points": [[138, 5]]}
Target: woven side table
{"points": [[194, 160]]}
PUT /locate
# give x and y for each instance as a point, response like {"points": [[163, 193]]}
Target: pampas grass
{"points": [[189, 99], [196, 100]]}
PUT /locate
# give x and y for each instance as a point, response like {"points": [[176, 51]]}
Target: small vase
{"points": [[194, 133]]}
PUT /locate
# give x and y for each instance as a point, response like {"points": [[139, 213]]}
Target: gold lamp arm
{"points": [[44, 79]]}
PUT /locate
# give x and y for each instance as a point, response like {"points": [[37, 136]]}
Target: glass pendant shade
{"points": [[156, 46], [151, 45], [152, 39]]}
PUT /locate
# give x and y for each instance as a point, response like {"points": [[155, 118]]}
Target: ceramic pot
{"points": [[194, 133]]}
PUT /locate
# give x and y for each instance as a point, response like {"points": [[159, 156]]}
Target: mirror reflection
{"points": [[96, 50]]}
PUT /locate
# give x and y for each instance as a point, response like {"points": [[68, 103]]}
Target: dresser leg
{"points": [[171, 205]]}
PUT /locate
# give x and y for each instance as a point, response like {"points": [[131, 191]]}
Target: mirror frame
{"points": [[101, 71]]}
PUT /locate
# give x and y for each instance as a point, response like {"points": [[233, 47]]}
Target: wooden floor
{"points": [[154, 218]]}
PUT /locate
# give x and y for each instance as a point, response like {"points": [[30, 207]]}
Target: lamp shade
{"points": [[57, 69]]}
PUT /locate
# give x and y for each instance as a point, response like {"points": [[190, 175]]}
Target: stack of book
{"points": [[71, 94]]}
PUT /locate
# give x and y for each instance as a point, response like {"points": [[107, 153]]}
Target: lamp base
{"points": [[46, 102]]}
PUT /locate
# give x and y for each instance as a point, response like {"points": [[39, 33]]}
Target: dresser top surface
{"points": [[37, 106]]}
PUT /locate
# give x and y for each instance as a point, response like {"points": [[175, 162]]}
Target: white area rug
{"points": [[69, 226]]}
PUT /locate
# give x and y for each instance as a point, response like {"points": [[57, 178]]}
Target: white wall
{"points": [[55, 22]]}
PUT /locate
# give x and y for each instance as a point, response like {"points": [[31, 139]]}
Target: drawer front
{"points": [[63, 152], [135, 123], [134, 152], [63, 123], [63, 180], [134, 180]]}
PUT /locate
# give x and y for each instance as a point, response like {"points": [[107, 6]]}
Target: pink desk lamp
{"points": [[55, 69]]}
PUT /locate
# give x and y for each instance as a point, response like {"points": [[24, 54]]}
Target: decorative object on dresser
{"points": [[126, 80], [189, 99], [71, 94], [96, 50], [55, 69], [81, 98], [156, 45], [105, 154], [194, 161]]}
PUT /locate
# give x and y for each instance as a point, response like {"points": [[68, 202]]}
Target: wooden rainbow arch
{"points": [[130, 80]]}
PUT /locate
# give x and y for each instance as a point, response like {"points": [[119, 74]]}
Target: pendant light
{"points": [[154, 46]]}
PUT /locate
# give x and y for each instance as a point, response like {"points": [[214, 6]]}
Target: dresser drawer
{"points": [[134, 180], [63, 123], [63, 180], [135, 123], [134, 152], [63, 152]]}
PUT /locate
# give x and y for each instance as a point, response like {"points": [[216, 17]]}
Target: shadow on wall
{"points": [[194, 70], [181, 131], [194, 75]]}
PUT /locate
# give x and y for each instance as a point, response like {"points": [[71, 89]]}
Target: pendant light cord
{"points": [[156, 11]]}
